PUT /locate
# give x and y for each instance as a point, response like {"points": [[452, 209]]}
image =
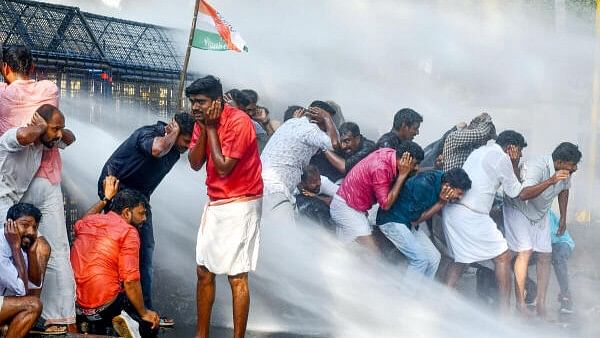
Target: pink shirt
{"points": [[370, 181], [18, 103]]}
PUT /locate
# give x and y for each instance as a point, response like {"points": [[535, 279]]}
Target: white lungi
{"points": [[58, 293], [523, 234], [1, 302], [350, 223], [229, 236], [471, 236]]}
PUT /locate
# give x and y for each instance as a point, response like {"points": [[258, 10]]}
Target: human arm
{"points": [[11, 233], [40, 249], [476, 134], [197, 151], [445, 195], [31, 133], [129, 273], [324, 121], [534, 191], [68, 137], [387, 198], [563, 200], [335, 160], [111, 187], [161, 145], [225, 153]]}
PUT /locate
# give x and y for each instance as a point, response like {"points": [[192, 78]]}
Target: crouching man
{"points": [[422, 196], [23, 260], [106, 263]]}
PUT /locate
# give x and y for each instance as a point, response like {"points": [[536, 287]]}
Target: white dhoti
{"points": [[229, 236], [471, 236], [523, 234], [58, 292]]}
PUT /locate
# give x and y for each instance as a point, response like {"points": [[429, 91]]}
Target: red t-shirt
{"points": [[238, 140], [105, 253]]}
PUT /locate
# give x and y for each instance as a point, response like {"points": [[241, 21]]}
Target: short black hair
{"points": [[407, 117], [457, 178], [208, 85], [24, 209], [241, 100], [349, 127], [289, 112], [18, 58], [412, 148], [251, 94], [308, 172], [567, 152], [186, 123], [128, 198], [511, 137], [323, 105], [47, 111]]}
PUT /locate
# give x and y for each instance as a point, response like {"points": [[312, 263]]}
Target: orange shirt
{"points": [[105, 254], [237, 137]]}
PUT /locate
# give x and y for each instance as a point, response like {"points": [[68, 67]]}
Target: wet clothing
{"points": [[10, 283], [18, 165], [522, 234], [350, 223], [135, 166], [370, 181], [229, 236], [237, 136], [459, 144], [105, 254], [418, 194], [288, 152], [389, 140], [471, 233]]}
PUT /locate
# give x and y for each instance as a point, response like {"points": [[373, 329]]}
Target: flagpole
{"points": [[186, 61]]}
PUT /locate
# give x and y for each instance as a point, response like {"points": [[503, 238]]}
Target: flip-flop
{"points": [[52, 330], [166, 322]]}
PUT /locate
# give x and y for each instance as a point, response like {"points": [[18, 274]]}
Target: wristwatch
{"points": [[105, 200]]}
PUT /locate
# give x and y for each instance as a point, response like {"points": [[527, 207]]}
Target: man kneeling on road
{"points": [[106, 263], [23, 260]]}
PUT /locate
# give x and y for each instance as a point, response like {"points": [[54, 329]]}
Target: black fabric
{"points": [[133, 164], [101, 323], [316, 210], [389, 140], [325, 167], [365, 148]]}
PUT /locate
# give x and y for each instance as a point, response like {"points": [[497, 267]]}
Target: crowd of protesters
{"points": [[313, 168]]}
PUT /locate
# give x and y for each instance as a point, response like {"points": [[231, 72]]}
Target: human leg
{"points": [[241, 303], [146, 254], [404, 240], [455, 271], [543, 275], [502, 269], [430, 251], [205, 297], [20, 313], [521, 267], [560, 256]]}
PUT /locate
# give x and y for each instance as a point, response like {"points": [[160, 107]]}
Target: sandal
{"points": [[51, 330], [166, 322]]}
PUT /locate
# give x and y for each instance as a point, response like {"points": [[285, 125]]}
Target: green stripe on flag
{"points": [[208, 40]]}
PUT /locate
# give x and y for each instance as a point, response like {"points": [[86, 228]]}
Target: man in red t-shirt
{"points": [[105, 258], [224, 138]]}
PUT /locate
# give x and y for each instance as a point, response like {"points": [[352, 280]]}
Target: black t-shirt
{"points": [[133, 164], [389, 140]]}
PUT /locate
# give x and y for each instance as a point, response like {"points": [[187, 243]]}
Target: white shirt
{"points": [[18, 165], [535, 172], [10, 283], [489, 168], [288, 152]]}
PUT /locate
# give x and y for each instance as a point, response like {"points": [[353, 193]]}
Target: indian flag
{"points": [[214, 33]]}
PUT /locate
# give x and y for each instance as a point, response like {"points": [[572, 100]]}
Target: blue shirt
{"points": [[554, 225], [418, 194], [133, 164]]}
